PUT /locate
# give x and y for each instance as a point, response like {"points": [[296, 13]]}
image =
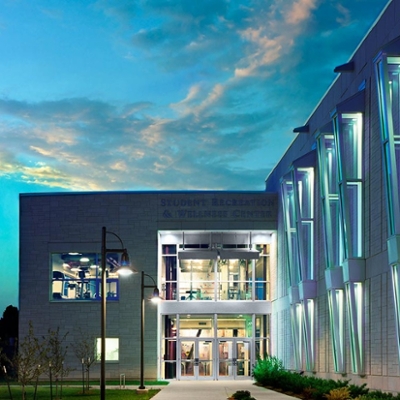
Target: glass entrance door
{"points": [[196, 361], [234, 358]]}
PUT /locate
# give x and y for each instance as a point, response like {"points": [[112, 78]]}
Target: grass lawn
{"points": [[75, 392]]}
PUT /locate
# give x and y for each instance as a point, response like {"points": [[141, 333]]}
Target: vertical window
{"points": [[290, 230], [330, 200], [262, 335], [169, 346], [262, 271], [169, 273], [296, 320], [354, 293], [348, 137], [304, 191], [336, 319]]}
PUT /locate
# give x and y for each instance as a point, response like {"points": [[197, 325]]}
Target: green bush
{"points": [[242, 395], [267, 370], [270, 372], [358, 391], [378, 395]]}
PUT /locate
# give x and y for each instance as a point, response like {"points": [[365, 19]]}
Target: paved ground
{"points": [[214, 390]]}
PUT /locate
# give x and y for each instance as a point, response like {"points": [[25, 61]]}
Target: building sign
{"points": [[255, 206]]}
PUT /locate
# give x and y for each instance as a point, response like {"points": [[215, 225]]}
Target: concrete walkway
{"points": [[214, 390]]}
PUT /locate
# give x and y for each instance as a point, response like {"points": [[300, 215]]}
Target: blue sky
{"points": [[158, 94]]}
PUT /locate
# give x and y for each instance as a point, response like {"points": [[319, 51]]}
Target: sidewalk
{"points": [[214, 390]]}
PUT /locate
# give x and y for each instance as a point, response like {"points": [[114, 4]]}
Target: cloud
{"points": [[107, 147], [300, 11], [246, 73]]}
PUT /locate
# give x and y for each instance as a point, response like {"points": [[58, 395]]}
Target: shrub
{"points": [[267, 370], [242, 395], [308, 393], [358, 391], [342, 393]]}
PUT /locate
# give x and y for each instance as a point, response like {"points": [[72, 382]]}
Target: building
{"points": [[339, 223], [210, 253], [307, 270]]}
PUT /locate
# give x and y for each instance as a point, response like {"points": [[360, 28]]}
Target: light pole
{"points": [[156, 297], [124, 262]]}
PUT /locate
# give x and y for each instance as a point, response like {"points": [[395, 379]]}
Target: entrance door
{"points": [[234, 358], [196, 360]]}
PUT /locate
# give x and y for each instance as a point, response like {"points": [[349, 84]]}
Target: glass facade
{"points": [[210, 276], [388, 83], [220, 270], [213, 345]]}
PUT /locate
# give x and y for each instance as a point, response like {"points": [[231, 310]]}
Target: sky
{"points": [[158, 94]]}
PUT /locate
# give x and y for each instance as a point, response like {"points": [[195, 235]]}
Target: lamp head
{"points": [[125, 262], [125, 265], [156, 296]]}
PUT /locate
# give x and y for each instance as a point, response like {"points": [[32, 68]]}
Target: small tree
{"points": [[27, 362], [85, 350], [54, 352]]}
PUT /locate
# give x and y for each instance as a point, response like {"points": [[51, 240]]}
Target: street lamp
{"points": [[124, 263], [155, 298]]}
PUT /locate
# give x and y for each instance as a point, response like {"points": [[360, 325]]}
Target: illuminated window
{"points": [[328, 169], [262, 335], [354, 291], [112, 349], [336, 320], [230, 271], [169, 272], [308, 332], [77, 276], [291, 241], [297, 333], [348, 138], [304, 194]]}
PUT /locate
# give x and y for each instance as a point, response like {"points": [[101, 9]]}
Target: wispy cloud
{"points": [[233, 79]]}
